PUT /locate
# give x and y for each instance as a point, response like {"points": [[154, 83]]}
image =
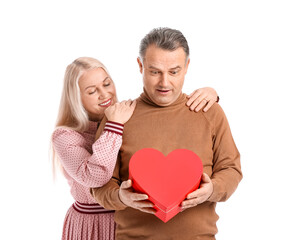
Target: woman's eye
{"points": [[106, 85], [92, 92]]}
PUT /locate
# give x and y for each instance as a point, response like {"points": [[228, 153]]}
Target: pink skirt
{"points": [[93, 226]]}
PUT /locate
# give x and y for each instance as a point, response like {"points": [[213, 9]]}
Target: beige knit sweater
{"points": [[166, 129]]}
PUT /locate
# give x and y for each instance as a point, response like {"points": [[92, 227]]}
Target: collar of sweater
{"points": [[145, 98]]}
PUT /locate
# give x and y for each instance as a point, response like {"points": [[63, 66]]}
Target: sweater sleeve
{"points": [[89, 169], [227, 172], [108, 195]]}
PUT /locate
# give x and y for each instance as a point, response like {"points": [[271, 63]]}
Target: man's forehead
{"points": [[153, 49], [158, 57]]}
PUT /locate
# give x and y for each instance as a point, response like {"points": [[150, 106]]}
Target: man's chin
{"points": [[163, 102]]}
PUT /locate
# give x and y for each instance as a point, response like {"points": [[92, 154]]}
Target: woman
{"points": [[89, 94]]}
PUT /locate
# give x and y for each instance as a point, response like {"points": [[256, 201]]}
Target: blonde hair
{"points": [[71, 112]]}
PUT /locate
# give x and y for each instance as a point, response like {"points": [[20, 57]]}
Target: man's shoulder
{"points": [[100, 127], [214, 114], [215, 109]]}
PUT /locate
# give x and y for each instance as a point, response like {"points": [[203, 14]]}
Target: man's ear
{"points": [[187, 64], [140, 64]]}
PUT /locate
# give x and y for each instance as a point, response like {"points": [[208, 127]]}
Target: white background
{"points": [[235, 48]]}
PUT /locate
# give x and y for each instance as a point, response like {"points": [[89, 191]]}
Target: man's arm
{"points": [[116, 197], [227, 172]]}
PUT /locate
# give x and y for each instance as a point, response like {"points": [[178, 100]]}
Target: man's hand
{"points": [[135, 200], [200, 195], [202, 97]]}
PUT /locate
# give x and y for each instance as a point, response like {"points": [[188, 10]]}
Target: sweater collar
{"points": [[145, 98]]}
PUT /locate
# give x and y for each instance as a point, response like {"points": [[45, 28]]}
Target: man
{"points": [[160, 121]]}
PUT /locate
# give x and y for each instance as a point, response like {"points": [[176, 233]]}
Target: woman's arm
{"points": [[90, 170], [96, 168]]}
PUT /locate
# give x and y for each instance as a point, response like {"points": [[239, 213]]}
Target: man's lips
{"points": [[163, 91], [106, 103]]}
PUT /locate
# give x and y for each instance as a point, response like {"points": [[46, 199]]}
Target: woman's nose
{"points": [[103, 94]]}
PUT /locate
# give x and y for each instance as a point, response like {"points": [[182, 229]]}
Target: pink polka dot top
{"points": [[87, 163]]}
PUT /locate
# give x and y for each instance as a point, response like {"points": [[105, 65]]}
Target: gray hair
{"points": [[165, 38]]}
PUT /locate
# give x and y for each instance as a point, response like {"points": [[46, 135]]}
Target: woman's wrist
{"points": [[114, 127]]}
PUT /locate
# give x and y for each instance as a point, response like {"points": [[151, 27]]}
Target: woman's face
{"points": [[97, 92]]}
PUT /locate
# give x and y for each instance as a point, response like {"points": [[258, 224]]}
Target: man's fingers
{"points": [[143, 204], [126, 184], [197, 193], [192, 202], [200, 195], [148, 210], [189, 203], [188, 206], [205, 178], [138, 197], [200, 191]]}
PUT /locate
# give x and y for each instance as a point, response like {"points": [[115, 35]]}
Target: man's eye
{"points": [[106, 85], [154, 72], [174, 72]]}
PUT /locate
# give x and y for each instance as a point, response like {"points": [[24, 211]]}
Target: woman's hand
{"points": [[202, 97], [120, 112]]}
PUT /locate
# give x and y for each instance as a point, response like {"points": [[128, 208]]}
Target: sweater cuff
{"points": [[119, 204], [114, 127], [218, 192]]}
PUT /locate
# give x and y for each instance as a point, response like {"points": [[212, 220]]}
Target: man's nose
{"points": [[164, 80]]}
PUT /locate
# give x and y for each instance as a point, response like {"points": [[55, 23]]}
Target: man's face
{"points": [[163, 74]]}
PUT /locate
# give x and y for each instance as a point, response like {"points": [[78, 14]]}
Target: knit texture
{"points": [[166, 129], [87, 164]]}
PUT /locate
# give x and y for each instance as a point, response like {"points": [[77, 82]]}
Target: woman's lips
{"points": [[107, 103]]}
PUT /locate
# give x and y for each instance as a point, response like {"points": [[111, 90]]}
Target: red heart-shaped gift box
{"points": [[167, 180]]}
